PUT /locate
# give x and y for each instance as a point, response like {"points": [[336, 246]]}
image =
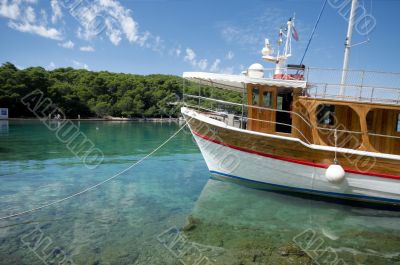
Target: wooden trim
{"points": [[259, 114], [397, 133]]}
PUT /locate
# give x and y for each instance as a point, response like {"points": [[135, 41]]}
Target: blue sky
{"points": [[170, 37]]}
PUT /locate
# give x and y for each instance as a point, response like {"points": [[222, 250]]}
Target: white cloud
{"points": [[51, 66], [79, 65], [40, 30], [23, 18], [123, 16], [156, 44], [87, 49], [215, 66], [67, 45], [94, 18], [91, 21], [142, 39], [113, 33], [243, 36], [83, 34], [115, 37], [248, 34], [175, 51], [190, 57], [116, 21], [109, 16], [230, 55], [151, 41], [43, 17], [55, 7], [202, 64], [11, 10], [30, 14]]}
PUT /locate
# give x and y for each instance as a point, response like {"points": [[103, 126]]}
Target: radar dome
{"points": [[256, 70]]}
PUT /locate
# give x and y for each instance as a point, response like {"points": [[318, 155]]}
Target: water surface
{"points": [[119, 222]]}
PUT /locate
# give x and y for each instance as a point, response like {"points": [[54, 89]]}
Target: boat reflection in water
{"points": [[250, 226]]}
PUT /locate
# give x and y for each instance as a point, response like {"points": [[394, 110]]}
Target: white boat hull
{"points": [[263, 172]]}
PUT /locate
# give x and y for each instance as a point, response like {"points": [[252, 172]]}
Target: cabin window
{"points": [[279, 102], [267, 96], [398, 123], [326, 114], [255, 96]]}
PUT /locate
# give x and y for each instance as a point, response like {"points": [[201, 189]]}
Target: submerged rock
{"points": [[191, 223]]}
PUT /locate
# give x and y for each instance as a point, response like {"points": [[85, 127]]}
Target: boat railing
{"points": [[241, 115], [358, 85], [350, 85], [247, 106], [240, 118]]}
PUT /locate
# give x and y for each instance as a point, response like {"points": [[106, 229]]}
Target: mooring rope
{"points": [[96, 185]]}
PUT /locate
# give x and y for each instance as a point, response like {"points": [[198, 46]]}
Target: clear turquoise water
{"points": [[119, 222]]}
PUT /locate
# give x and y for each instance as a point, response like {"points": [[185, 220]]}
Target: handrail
{"points": [[273, 122], [354, 70], [249, 106], [363, 82], [359, 99], [367, 84], [276, 110], [358, 86], [383, 135], [344, 131], [334, 69]]}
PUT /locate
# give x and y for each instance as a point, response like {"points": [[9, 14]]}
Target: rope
{"points": [[96, 185], [313, 32], [336, 139]]}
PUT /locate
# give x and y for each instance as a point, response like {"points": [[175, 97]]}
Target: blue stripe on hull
{"points": [[315, 192]]}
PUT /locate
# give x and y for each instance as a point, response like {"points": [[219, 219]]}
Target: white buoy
{"points": [[335, 173]]}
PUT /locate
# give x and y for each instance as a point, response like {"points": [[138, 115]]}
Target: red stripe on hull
{"points": [[301, 162]]}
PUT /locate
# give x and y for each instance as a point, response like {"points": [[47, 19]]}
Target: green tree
{"points": [[100, 93]]}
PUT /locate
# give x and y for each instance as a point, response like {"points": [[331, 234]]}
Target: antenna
{"points": [[280, 59]]}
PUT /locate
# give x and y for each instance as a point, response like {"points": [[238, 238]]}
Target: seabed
{"points": [[247, 226]]}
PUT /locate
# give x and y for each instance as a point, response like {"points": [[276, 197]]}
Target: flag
{"points": [[295, 34]]}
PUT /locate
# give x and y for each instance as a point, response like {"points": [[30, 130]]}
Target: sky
{"points": [[174, 36]]}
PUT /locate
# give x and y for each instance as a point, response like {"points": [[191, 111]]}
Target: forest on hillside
{"points": [[98, 94]]}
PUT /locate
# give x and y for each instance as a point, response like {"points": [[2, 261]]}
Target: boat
{"points": [[329, 133]]}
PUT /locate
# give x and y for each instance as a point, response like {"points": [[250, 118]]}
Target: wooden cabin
{"points": [[359, 125]]}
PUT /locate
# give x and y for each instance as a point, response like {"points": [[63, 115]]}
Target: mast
{"points": [[348, 46], [287, 52], [288, 44], [280, 59]]}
